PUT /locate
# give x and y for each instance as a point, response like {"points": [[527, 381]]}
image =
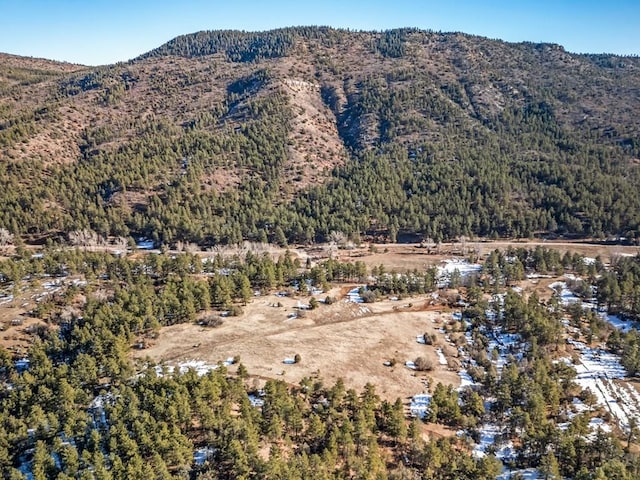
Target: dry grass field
{"points": [[343, 340]]}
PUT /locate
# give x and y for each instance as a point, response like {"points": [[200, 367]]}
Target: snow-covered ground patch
{"points": [[566, 296], [505, 345], [490, 442], [419, 405], [354, 295], [7, 299], [201, 455], [256, 400], [524, 474], [599, 371], [22, 365], [409, 364], [96, 409], [442, 360], [201, 368], [145, 244], [465, 379], [462, 267], [617, 322]]}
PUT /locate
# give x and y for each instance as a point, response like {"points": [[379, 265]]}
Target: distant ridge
{"points": [[297, 134]]}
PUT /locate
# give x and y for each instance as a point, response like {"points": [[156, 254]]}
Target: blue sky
{"points": [[100, 31]]}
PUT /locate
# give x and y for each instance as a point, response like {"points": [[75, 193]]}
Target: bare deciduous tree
{"points": [[6, 237]]}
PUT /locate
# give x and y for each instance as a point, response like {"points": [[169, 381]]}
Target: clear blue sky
{"points": [[100, 31]]}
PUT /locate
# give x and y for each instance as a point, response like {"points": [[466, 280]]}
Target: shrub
{"points": [[368, 296], [423, 364], [297, 358], [429, 339], [211, 321]]}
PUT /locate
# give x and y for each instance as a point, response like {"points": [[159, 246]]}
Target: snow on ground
{"points": [[441, 358], [199, 366], [598, 371], [7, 299], [410, 364], [505, 344], [525, 474], [566, 296], [463, 267], [96, 408], [201, 455], [420, 404], [255, 400], [22, 364], [354, 295], [490, 442], [144, 244], [25, 469], [617, 322], [537, 275], [465, 380]]}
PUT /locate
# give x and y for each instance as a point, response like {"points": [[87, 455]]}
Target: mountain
{"points": [[292, 134]]}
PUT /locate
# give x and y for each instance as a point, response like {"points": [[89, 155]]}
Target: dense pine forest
{"points": [[289, 135], [77, 406]]}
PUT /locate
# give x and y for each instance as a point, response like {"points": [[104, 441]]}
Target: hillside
{"points": [[291, 134]]}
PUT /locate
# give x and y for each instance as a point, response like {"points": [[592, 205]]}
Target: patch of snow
{"points": [[256, 401], [22, 364], [289, 361], [199, 366], [537, 275], [441, 358], [617, 322], [7, 299], [490, 440], [463, 267], [201, 455], [598, 371], [354, 295], [566, 296], [145, 244], [410, 364], [524, 474], [419, 405]]}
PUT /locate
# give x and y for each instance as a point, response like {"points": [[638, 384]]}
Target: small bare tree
{"points": [[6, 237], [423, 364], [84, 238]]}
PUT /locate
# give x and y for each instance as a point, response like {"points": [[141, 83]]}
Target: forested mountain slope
{"points": [[291, 134]]}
